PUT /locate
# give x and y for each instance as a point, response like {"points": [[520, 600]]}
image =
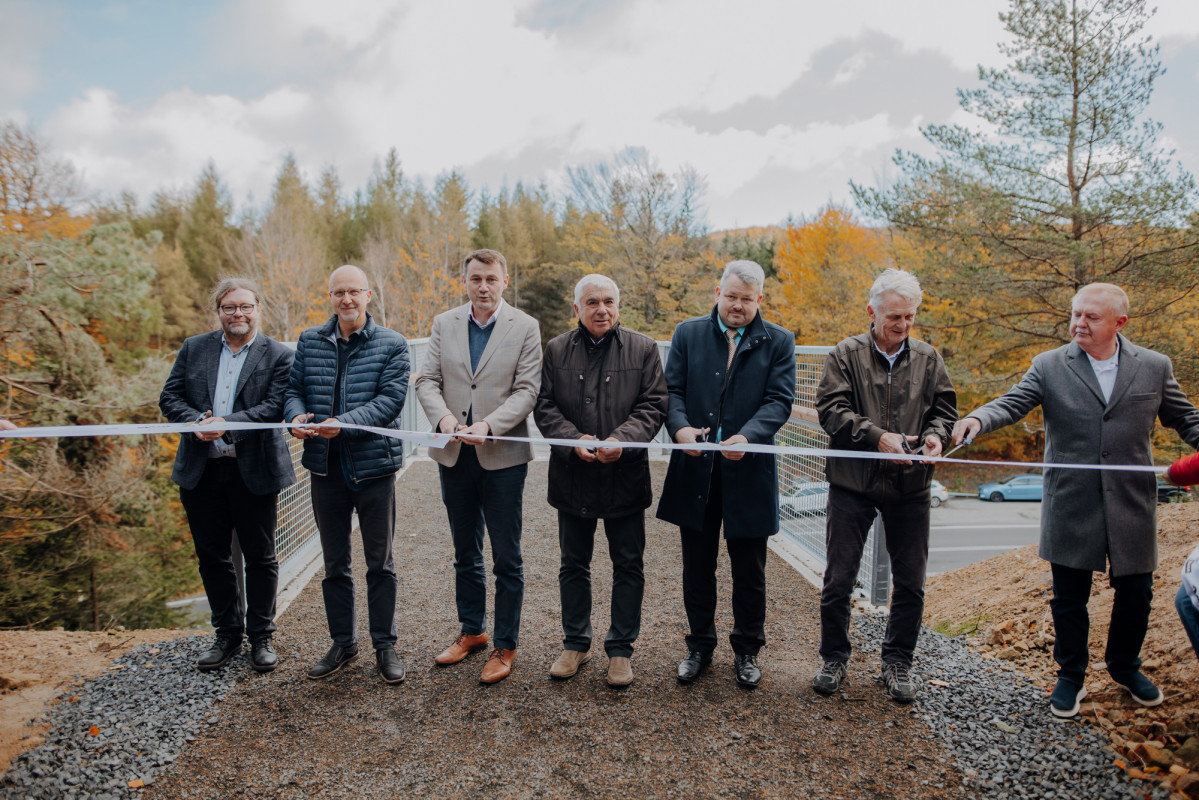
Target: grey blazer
{"points": [[501, 391], [1092, 516], [262, 456]]}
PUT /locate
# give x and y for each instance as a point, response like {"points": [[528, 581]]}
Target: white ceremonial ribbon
{"points": [[429, 439], [439, 440]]}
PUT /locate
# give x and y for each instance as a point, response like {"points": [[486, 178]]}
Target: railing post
{"points": [[880, 564]]}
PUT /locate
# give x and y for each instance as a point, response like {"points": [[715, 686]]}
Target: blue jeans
{"points": [[1189, 616], [332, 504], [475, 497]]}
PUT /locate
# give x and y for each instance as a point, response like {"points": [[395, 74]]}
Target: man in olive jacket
{"points": [[883, 392], [1100, 395], [600, 381], [731, 379]]}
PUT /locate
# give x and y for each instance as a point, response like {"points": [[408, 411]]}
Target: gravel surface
{"points": [[997, 725], [125, 726], [442, 733]]}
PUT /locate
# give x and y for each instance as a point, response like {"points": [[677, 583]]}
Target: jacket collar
{"points": [[750, 335], [329, 329], [615, 335]]}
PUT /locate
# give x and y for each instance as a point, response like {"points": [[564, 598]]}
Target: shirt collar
{"points": [[490, 320], [725, 328], [1107, 363], [892, 356], [244, 348]]}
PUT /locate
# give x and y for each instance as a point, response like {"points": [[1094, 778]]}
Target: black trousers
{"points": [[905, 524], [1072, 624], [747, 557], [219, 504], [333, 503], [626, 548]]}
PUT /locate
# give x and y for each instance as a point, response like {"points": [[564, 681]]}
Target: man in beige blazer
{"points": [[480, 378]]}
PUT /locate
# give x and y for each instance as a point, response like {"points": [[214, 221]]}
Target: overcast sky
{"points": [[777, 104]]}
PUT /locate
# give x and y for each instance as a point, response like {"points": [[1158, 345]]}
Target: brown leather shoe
{"points": [[462, 647], [620, 672], [568, 663], [498, 665]]}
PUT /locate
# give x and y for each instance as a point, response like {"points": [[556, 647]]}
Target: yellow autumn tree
{"points": [[824, 269]]}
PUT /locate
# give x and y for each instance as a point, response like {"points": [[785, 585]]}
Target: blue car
{"points": [[1018, 487]]}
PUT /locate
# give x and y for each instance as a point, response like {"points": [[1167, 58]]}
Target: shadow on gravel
{"points": [[441, 733]]}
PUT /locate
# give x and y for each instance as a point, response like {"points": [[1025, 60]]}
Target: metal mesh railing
{"points": [[295, 531], [803, 490]]}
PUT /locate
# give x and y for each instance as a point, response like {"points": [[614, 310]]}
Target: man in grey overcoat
{"points": [[1100, 395]]}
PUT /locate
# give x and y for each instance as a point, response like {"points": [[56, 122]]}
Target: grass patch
{"points": [[967, 627]]}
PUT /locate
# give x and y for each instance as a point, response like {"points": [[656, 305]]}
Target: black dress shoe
{"points": [[389, 665], [693, 665], [335, 659], [748, 673], [223, 649], [262, 656]]}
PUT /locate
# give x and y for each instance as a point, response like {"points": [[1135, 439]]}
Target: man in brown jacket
{"points": [[881, 392], [600, 381]]}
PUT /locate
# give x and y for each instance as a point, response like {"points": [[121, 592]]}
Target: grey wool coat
{"points": [[1090, 517]]}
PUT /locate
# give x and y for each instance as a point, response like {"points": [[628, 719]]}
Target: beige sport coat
{"points": [[501, 391]]}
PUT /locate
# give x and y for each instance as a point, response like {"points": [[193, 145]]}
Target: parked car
{"points": [[937, 493], [807, 499], [1017, 487], [1169, 493]]}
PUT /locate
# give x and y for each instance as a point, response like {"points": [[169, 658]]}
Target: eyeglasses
{"points": [[340, 293], [244, 308]]}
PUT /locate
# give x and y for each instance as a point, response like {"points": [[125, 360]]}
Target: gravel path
{"points": [[238, 734]]}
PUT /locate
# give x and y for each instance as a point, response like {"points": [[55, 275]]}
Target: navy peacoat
{"points": [[756, 404]]}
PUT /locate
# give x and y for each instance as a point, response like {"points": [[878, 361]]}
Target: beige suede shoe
{"points": [[620, 672], [568, 663]]}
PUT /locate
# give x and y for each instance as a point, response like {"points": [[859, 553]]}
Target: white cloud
{"points": [[479, 84]]}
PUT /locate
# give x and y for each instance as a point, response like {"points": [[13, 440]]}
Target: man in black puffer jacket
{"points": [[600, 381], [351, 370]]}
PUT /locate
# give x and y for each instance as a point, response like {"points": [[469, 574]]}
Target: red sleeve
{"points": [[1184, 471]]}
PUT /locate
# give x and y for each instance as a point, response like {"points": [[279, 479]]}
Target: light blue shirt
{"points": [[227, 374], [890, 358], [736, 343]]}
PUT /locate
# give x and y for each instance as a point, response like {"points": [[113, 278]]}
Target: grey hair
{"points": [[1116, 296], [898, 281], [232, 285], [748, 271], [597, 280]]}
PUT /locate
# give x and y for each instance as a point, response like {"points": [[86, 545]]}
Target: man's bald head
{"points": [[349, 272], [350, 292]]}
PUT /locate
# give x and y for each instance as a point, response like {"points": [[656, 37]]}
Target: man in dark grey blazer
{"points": [[230, 480], [1100, 395]]}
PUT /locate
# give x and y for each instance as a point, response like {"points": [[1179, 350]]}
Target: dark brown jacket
{"points": [[861, 397], [627, 401]]}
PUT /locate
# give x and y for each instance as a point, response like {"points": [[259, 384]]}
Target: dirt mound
{"points": [[1001, 607], [35, 666]]}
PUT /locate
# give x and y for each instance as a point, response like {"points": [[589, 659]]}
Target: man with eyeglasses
{"points": [[352, 370], [230, 480]]}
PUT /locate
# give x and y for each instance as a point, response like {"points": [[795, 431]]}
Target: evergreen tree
{"points": [[1063, 184], [205, 233]]}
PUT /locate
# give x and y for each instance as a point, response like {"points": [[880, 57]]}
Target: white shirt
{"points": [[1105, 372], [491, 319]]}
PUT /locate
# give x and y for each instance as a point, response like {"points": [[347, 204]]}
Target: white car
{"points": [[807, 499], [938, 494]]}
